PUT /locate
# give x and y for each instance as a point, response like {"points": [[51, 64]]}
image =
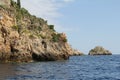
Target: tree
{"points": [[18, 3]]}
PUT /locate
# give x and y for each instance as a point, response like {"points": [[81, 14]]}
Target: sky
{"points": [[87, 23]]}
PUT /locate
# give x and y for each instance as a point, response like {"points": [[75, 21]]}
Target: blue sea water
{"points": [[76, 68]]}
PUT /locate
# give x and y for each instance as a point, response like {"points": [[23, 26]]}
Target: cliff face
{"points": [[25, 38]]}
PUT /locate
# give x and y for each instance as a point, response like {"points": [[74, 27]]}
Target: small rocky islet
{"points": [[25, 37], [98, 50]]}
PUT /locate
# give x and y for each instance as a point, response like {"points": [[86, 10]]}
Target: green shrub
{"points": [[13, 4], [51, 27], [18, 15], [25, 31], [55, 37], [65, 40], [34, 28], [24, 11], [18, 3], [15, 27], [31, 36], [39, 28]]}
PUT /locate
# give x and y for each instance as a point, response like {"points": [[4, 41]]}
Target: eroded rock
{"points": [[26, 38]]}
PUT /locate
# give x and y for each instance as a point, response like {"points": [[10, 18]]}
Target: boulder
{"points": [[98, 50]]}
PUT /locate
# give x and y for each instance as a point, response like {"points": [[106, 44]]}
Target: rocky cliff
{"points": [[25, 38], [98, 50]]}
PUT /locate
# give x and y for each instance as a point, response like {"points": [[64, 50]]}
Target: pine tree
{"points": [[18, 3]]}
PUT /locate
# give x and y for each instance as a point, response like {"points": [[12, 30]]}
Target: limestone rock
{"points": [[77, 53], [98, 50], [26, 38]]}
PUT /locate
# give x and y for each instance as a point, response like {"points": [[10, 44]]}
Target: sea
{"points": [[76, 68]]}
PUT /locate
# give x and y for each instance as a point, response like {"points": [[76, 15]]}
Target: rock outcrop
{"points": [[99, 51], [26, 38], [76, 53]]}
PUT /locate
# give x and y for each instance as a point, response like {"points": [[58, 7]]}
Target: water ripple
{"points": [[77, 68]]}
